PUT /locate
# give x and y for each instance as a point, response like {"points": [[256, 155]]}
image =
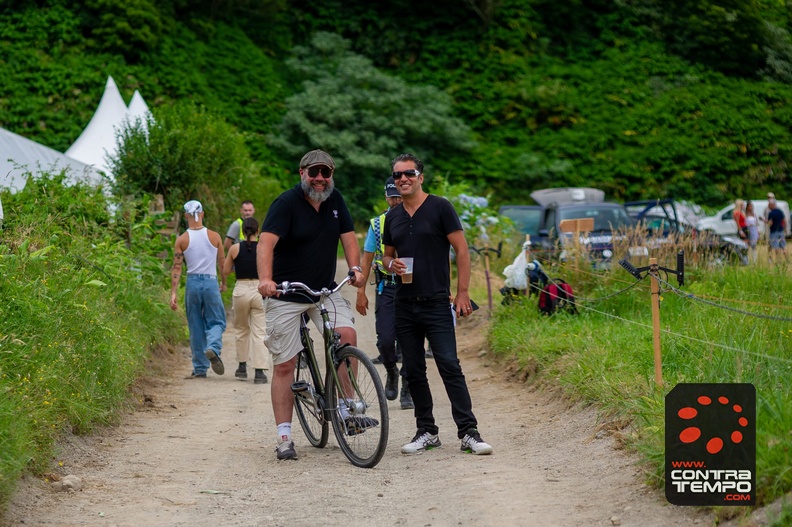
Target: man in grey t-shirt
{"points": [[234, 234]]}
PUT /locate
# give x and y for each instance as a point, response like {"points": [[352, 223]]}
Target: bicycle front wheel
{"points": [[358, 408], [309, 406]]}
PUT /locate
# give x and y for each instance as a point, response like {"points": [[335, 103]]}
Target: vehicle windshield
{"points": [[527, 220], [605, 218]]}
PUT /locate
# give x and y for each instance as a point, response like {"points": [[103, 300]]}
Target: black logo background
{"points": [[714, 420]]}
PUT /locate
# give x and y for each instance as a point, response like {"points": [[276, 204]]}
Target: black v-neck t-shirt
{"points": [[424, 236]]}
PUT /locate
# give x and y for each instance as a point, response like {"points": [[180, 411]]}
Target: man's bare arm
{"points": [[265, 254], [352, 254], [361, 302], [214, 238], [462, 298], [176, 269]]}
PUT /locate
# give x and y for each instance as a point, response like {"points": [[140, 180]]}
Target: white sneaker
{"points": [[472, 443], [421, 441]]}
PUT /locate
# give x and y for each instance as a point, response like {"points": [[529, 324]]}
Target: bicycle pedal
{"points": [[300, 387]]}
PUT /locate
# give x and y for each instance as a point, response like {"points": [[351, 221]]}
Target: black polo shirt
{"points": [[307, 247], [424, 236]]}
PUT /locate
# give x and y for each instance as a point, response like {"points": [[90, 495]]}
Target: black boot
{"points": [[260, 377], [241, 372], [406, 398], [392, 382]]}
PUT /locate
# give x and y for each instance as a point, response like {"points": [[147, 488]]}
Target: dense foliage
{"points": [[639, 97], [364, 117], [185, 152], [83, 308]]}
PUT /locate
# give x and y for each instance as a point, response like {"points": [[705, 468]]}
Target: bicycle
{"points": [[350, 397]]}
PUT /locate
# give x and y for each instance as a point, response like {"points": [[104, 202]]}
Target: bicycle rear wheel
{"points": [[312, 419], [359, 409]]}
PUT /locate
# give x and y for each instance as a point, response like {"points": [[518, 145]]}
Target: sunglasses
{"points": [[327, 172], [409, 173]]}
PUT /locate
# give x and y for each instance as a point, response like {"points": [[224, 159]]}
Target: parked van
{"points": [[723, 222]]}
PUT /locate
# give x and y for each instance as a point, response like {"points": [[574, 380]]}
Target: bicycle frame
{"points": [[331, 340], [350, 397]]}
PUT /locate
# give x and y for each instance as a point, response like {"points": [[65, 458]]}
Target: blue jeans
{"points": [[206, 318], [431, 319]]}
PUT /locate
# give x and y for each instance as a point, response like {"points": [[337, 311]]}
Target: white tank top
{"points": [[200, 255]]}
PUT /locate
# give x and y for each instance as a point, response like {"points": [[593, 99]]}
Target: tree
{"points": [[185, 152], [363, 118], [726, 35]]}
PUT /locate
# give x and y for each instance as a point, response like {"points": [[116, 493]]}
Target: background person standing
{"points": [[776, 221], [247, 304], [425, 227], [202, 251], [752, 227], [739, 218], [234, 234]]}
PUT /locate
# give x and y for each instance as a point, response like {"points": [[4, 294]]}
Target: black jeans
{"points": [[417, 320]]}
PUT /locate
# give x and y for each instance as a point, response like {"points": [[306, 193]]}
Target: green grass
{"points": [[83, 308], [604, 355]]}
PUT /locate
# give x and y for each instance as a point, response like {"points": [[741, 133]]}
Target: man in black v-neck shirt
{"points": [[298, 243], [425, 227]]}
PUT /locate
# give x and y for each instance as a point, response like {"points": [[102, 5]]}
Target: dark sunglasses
{"points": [[409, 173], [327, 172]]}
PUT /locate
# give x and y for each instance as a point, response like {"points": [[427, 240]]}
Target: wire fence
{"points": [[582, 303]]}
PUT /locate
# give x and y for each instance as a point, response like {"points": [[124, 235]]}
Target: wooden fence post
{"points": [[658, 361]]}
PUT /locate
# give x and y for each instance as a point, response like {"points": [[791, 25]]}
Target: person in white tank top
{"points": [[202, 251]]}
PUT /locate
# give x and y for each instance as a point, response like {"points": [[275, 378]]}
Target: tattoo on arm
{"points": [[178, 258]]}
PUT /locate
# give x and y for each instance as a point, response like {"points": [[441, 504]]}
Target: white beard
{"points": [[315, 195]]}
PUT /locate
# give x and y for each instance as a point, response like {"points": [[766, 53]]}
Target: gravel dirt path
{"points": [[201, 453]]}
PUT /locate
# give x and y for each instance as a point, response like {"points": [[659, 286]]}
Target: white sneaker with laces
{"points": [[421, 441], [473, 443]]}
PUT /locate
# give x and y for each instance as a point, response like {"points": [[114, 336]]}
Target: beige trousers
{"points": [[250, 324]]}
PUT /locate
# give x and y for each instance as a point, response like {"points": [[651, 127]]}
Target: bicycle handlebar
{"points": [[291, 287]]}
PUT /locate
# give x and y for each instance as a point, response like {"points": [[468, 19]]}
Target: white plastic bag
{"points": [[515, 273]]}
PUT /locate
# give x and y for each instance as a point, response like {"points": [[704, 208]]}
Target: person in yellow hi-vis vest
{"points": [[234, 234], [385, 281]]}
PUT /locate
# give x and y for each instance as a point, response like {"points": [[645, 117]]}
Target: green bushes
{"points": [[363, 118], [186, 152], [82, 310], [553, 94]]}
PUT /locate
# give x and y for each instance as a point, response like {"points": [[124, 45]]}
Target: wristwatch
{"points": [[356, 268]]}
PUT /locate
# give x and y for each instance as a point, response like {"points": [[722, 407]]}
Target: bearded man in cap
{"points": [[385, 318], [202, 250], [299, 242]]}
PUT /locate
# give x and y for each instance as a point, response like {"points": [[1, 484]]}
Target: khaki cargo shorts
{"points": [[282, 336]]}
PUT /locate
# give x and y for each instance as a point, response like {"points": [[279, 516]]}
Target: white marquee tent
{"points": [[19, 155], [85, 158], [98, 141]]}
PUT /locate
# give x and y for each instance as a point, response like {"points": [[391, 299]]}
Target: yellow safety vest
{"points": [[241, 234]]}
